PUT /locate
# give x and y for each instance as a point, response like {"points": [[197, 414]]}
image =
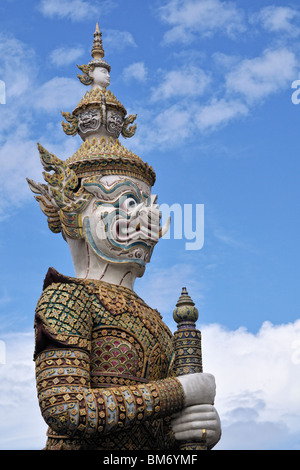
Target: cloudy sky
{"points": [[215, 87]]}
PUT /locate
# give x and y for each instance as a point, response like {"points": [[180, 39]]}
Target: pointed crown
{"points": [[99, 119], [97, 50]]}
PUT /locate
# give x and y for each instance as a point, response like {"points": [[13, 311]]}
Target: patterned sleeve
{"points": [[68, 403]]}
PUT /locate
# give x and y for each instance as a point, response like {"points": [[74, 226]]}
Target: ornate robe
{"points": [[103, 368]]}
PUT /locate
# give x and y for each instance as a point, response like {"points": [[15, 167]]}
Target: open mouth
{"points": [[142, 225], [126, 231]]}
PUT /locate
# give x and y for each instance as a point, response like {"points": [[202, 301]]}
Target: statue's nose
{"points": [[137, 209]]}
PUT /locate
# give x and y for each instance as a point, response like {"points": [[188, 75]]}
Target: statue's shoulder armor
{"points": [[64, 313]]}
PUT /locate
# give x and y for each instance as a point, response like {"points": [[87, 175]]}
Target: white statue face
{"points": [[101, 76], [122, 222], [89, 120]]}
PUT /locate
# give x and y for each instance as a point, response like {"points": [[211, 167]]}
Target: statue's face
{"points": [[101, 76], [122, 222], [89, 120]]}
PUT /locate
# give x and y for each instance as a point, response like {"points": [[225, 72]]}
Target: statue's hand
{"points": [[199, 389], [189, 424]]}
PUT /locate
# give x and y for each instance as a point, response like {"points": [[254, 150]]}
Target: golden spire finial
{"points": [[97, 51]]}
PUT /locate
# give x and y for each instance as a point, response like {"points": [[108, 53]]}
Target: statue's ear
{"points": [[64, 186], [47, 205], [62, 198]]}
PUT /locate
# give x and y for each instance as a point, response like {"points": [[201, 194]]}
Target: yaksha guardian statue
{"points": [[104, 358]]}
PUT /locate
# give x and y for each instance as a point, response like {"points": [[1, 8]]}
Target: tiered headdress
{"points": [[99, 119]]}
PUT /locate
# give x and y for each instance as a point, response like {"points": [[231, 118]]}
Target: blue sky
{"points": [[211, 83]]}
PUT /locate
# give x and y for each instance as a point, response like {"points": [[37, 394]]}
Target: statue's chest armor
{"points": [[130, 343]]}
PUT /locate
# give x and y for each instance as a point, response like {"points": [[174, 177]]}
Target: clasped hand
{"points": [[198, 414]]}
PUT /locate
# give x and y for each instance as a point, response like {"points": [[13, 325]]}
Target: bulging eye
{"points": [[129, 204]]}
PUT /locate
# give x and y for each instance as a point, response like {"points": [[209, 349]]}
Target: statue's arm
{"points": [[68, 403], [70, 406]]}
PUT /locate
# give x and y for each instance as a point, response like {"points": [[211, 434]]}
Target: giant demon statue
{"points": [[104, 358]]}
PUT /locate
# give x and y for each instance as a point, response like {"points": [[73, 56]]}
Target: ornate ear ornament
{"points": [[127, 129], [72, 127], [46, 204], [85, 79], [60, 200]]}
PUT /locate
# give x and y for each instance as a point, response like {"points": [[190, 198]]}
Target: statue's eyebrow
{"points": [[113, 188], [112, 194]]}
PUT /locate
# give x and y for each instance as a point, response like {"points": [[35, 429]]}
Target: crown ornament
{"points": [[185, 311], [99, 113], [97, 54], [97, 51], [99, 119]]}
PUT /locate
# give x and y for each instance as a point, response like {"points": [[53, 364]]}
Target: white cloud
{"points": [[188, 18], [115, 40], [136, 71], [19, 159], [238, 85], [219, 112], [179, 122], [21, 425], [169, 127], [18, 152], [258, 384], [65, 56], [75, 10], [257, 78], [185, 82], [278, 19], [257, 376], [181, 118], [17, 66], [58, 94], [251, 80]]}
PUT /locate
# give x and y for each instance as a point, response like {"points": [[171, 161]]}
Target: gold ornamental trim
{"points": [[96, 96], [108, 156]]}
